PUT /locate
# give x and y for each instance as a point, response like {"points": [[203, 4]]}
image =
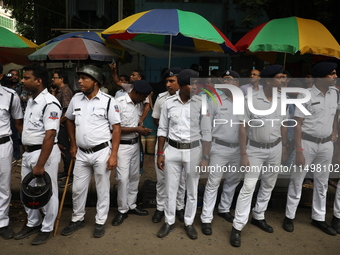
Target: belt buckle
{"points": [[184, 146], [318, 140]]}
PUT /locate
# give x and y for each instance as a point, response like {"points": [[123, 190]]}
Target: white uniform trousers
{"points": [[315, 155], [221, 157], [6, 155], [50, 210], [336, 209], [128, 176], [86, 165], [177, 161], [160, 188], [257, 158]]}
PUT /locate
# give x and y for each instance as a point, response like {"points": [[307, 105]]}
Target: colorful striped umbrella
{"points": [[291, 35], [74, 48], [171, 29], [14, 48]]}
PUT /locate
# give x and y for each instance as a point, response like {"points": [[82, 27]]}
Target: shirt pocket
{"points": [[77, 116], [128, 119], [3, 110], [34, 123], [97, 115], [174, 118]]}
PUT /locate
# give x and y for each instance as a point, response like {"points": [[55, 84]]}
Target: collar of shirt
{"points": [[40, 96], [317, 92], [98, 96], [192, 98]]}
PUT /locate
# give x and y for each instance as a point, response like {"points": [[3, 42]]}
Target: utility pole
{"points": [[120, 10]]}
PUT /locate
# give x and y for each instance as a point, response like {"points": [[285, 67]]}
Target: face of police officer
{"points": [[331, 78], [135, 76], [254, 76], [137, 97], [87, 85], [172, 85], [31, 83], [230, 80]]}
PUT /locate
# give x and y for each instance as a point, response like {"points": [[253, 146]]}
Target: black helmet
{"points": [[93, 72], [38, 194]]}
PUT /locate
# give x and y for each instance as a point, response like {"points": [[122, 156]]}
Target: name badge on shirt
{"points": [[77, 109], [315, 103]]}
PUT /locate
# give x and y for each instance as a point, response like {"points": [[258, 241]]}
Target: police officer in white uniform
{"points": [[266, 143], [170, 77], [131, 109], [91, 114], [314, 148], [39, 137], [224, 153], [254, 82], [187, 131], [9, 106]]}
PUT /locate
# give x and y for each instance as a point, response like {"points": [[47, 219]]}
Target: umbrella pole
{"points": [[169, 60], [284, 60]]}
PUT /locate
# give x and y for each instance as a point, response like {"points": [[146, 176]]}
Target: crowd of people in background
{"points": [[48, 121]]}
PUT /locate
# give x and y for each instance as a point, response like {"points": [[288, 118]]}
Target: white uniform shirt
{"points": [[16, 110], [245, 87], [322, 108], [92, 118], [42, 113], [269, 131], [156, 113], [130, 114], [225, 132], [183, 122]]}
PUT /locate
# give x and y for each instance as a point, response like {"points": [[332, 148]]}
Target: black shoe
{"points": [[62, 176], [206, 228], [227, 216], [157, 216], [63, 183], [41, 238], [262, 224], [180, 215], [235, 237], [336, 224], [99, 230], [120, 217], [6, 232], [138, 211], [26, 231], [165, 229], [191, 231], [288, 225], [73, 227], [324, 227]]}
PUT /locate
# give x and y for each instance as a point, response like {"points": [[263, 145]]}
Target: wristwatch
{"points": [[206, 157]]}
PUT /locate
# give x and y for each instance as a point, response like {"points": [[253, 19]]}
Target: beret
{"points": [[172, 72], [142, 86], [231, 73], [271, 71], [183, 78], [323, 68]]}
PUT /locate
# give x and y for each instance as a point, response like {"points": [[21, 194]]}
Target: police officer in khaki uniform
{"points": [[9, 106], [39, 137], [131, 108], [91, 114], [314, 148], [265, 145], [189, 134], [224, 154], [172, 86]]}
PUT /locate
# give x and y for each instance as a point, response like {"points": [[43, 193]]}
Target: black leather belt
{"points": [[264, 145], [132, 141], [95, 148], [313, 139], [182, 146], [4, 139], [220, 142]]}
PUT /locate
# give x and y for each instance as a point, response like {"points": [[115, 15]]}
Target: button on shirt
{"points": [[42, 113], [130, 114], [156, 113], [183, 122], [322, 108], [264, 128], [225, 127], [92, 118], [16, 110]]}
